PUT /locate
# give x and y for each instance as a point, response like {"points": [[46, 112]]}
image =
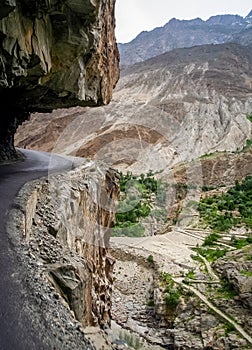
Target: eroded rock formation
{"points": [[60, 227], [53, 54], [233, 268]]}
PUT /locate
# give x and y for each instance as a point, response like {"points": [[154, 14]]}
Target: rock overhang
{"points": [[54, 54]]}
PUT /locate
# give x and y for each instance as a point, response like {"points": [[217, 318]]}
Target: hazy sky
{"points": [[134, 16]]}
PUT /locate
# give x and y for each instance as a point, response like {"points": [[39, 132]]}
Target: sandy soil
{"points": [[170, 251]]}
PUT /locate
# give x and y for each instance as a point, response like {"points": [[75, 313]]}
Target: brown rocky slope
{"points": [[59, 227], [171, 109]]}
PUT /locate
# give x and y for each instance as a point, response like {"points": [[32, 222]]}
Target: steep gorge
{"points": [[184, 113]]}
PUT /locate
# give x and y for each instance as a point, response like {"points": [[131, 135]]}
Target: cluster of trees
{"points": [[136, 202], [230, 209], [248, 142]]}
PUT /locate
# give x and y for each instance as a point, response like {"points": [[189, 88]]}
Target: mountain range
{"points": [[187, 33]]}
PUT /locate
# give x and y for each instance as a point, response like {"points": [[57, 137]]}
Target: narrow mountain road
{"points": [[16, 332]]}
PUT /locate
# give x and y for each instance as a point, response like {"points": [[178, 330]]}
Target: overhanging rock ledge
{"points": [[54, 54]]}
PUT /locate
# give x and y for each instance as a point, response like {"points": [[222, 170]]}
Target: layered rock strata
{"points": [[60, 227], [54, 54]]}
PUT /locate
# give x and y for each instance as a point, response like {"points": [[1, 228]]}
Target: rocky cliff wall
{"points": [[60, 229], [54, 54]]}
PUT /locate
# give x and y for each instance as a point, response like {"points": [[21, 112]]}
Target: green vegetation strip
{"points": [[234, 208], [136, 202]]}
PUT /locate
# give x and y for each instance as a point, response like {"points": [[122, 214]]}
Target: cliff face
{"points": [[65, 222], [54, 54]]}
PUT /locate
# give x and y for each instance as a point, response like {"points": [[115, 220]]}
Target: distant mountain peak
{"points": [[249, 15], [225, 20], [187, 33]]}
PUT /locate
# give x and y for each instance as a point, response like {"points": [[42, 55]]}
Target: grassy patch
{"points": [[247, 145], [210, 155], [211, 254], [240, 243], [211, 239], [246, 273], [249, 117], [190, 274], [128, 229], [229, 327], [226, 291]]}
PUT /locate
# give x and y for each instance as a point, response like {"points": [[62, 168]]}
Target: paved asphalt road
{"points": [[15, 335]]}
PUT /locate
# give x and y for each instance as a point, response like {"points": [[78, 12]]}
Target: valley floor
{"points": [[199, 322]]}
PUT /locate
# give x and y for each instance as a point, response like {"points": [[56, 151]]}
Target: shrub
{"points": [[172, 298], [172, 293], [240, 243], [249, 117], [190, 274], [151, 303], [150, 259], [211, 239]]}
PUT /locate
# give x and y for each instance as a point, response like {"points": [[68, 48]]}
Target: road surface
{"points": [[16, 332]]}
